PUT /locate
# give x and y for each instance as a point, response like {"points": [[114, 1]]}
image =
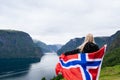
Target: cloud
{"points": [[53, 18]]}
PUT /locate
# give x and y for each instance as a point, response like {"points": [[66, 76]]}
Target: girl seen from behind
{"points": [[87, 46]]}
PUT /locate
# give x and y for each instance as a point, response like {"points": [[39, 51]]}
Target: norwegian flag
{"points": [[82, 66]]}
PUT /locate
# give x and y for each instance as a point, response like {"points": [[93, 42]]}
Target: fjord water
{"points": [[35, 71]]}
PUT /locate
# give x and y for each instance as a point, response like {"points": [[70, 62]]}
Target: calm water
{"points": [[36, 71]]}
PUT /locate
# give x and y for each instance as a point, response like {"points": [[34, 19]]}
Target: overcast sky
{"points": [[58, 21]]}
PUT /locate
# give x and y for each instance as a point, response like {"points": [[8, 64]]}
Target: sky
{"points": [[58, 21]]}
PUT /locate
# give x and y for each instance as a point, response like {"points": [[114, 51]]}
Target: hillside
{"points": [[55, 47], [44, 48], [115, 41], [17, 44], [47, 48], [109, 73], [72, 44], [112, 58]]}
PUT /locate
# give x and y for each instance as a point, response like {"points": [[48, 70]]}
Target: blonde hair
{"points": [[89, 38]]}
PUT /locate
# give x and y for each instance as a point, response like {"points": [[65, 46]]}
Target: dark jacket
{"points": [[88, 48]]}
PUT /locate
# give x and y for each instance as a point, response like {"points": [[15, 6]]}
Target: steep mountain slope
{"points": [[112, 58], [115, 41], [17, 44], [55, 47], [43, 46], [72, 44], [47, 48]]}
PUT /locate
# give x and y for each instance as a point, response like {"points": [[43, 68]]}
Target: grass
{"points": [[110, 73]]}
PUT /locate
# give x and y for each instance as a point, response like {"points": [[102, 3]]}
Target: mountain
{"points": [[17, 44], [72, 44], [55, 47], [112, 58], [44, 47], [111, 41], [115, 41], [47, 48]]}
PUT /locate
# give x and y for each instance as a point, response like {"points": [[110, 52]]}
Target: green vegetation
{"points": [[111, 65], [43, 78], [110, 73], [112, 58], [59, 77]]}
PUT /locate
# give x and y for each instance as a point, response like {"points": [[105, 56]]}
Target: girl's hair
{"points": [[89, 38]]}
